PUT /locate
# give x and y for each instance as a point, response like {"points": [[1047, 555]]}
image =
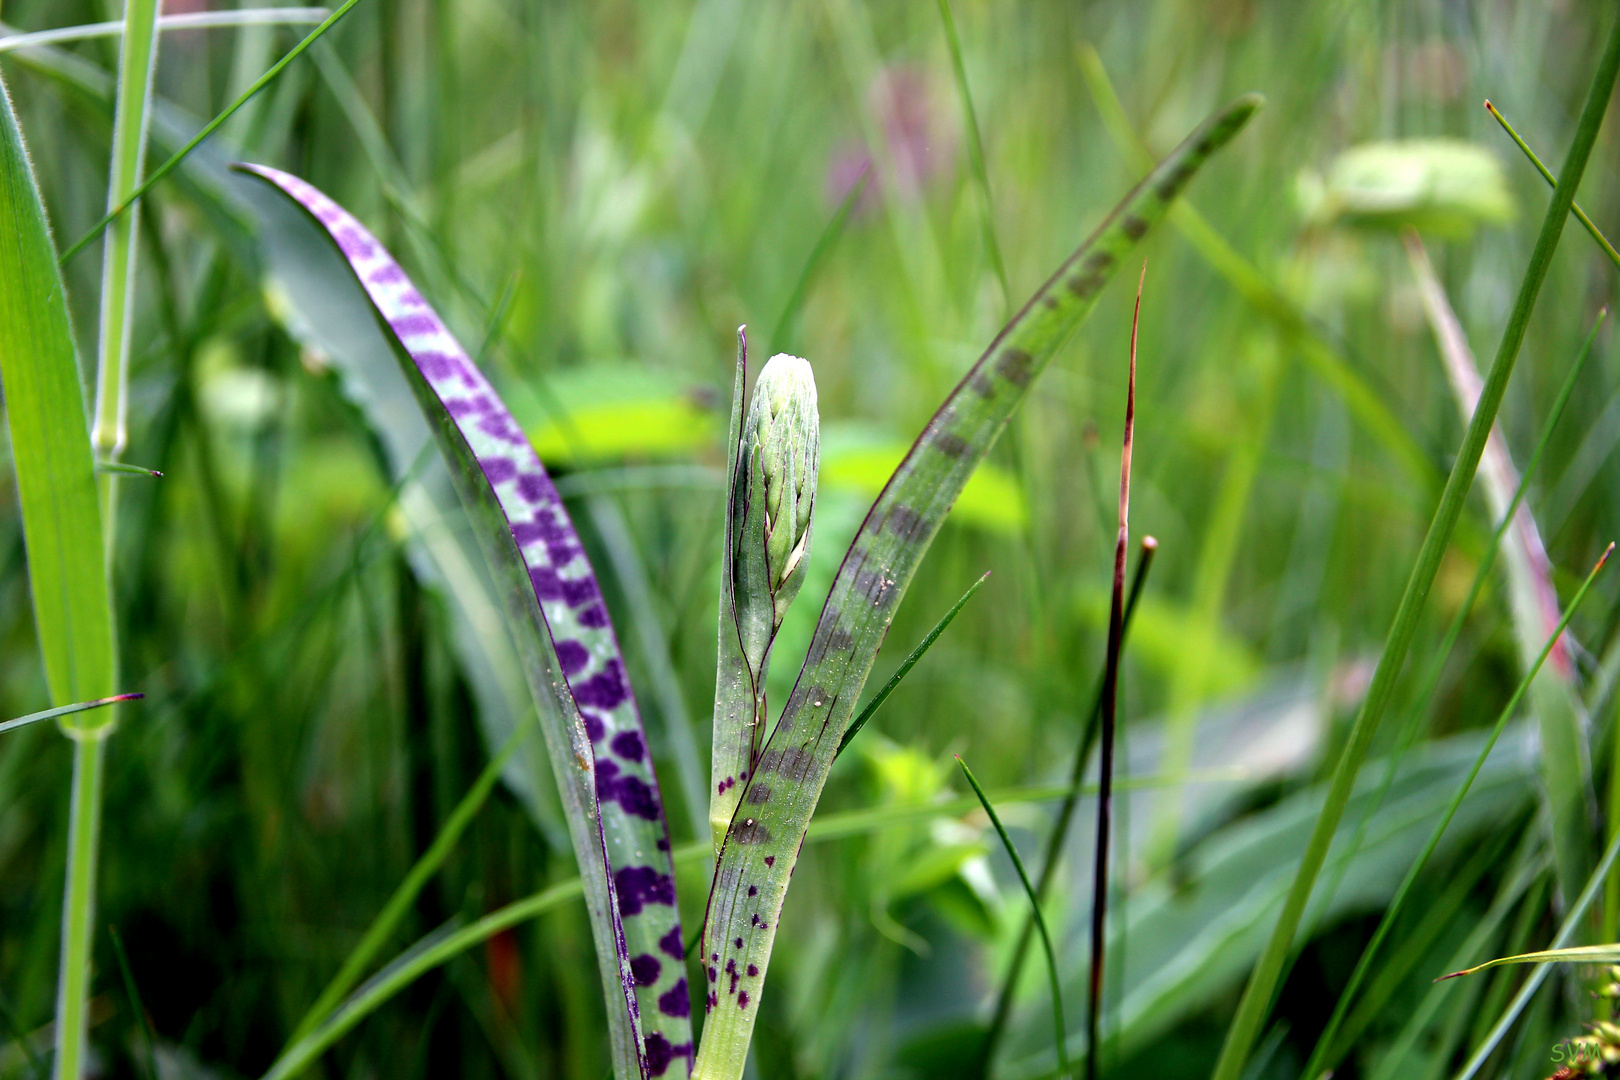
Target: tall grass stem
{"points": [[1256, 1002]]}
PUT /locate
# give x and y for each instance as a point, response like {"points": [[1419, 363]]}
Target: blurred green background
{"points": [[596, 195]]}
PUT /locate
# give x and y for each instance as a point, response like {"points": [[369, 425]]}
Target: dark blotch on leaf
{"points": [[951, 445], [750, 831], [759, 793], [1134, 227], [1016, 366], [645, 969], [907, 524]]}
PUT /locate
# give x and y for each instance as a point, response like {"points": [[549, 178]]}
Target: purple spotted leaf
{"points": [[570, 654], [767, 830]]}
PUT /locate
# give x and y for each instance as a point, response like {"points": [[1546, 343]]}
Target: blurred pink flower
{"points": [[904, 105]]}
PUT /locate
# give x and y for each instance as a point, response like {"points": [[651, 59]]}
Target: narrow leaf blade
{"points": [[763, 842], [571, 656], [50, 441]]}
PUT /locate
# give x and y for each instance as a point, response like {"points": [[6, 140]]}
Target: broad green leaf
{"points": [[50, 444], [762, 845]]}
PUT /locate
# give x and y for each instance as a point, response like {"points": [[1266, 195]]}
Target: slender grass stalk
{"points": [[975, 145], [207, 129], [65, 710], [123, 469], [906, 665], [399, 903], [1060, 1033], [1566, 930], [110, 432], [79, 898], [1319, 1059], [1546, 174], [1430, 682], [1263, 982], [196, 20], [1110, 706], [1065, 816]]}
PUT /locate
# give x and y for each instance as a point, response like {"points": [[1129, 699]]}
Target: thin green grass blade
{"points": [[441, 947], [905, 667], [132, 113], [123, 469], [56, 486], [1533, 601], [1324, 1042], [65, 710], [1263, 982], [1566, 930], [196, 20], [1580, 954], [1546, 174], [1060, 1031], [50, 441], [399, 903], [735, 734], [763, 842], [208, 129], [1266, 298], [975, 145], [782, 333]]}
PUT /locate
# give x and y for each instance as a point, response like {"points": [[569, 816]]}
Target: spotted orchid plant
{"points": [[765, 785]]}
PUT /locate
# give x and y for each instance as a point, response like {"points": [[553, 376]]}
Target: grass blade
{"points": [[1386, 923], [56, 486], [1110, 706], [975, 144], [905, 667], [782, 335], [762, 845], [64, 710], [1065, 816], [208, 129], [1580, 954], [197, 20], [1257, 995], [1268, 299], [1060, 1033], [1546, 174], [110, 432], [1566, 930], [399, 903], [569, 652], [1533, 600]]}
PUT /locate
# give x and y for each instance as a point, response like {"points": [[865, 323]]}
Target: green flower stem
{"points": [[1257, 996], [79, 900]]}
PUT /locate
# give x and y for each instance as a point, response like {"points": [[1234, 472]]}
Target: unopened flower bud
{"points": [[780, 454]]}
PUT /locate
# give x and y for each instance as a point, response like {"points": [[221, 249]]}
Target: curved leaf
{"points": [[763, 842], [569, 651]]}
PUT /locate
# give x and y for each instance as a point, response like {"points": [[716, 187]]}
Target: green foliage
{"points": [[595, 197]]}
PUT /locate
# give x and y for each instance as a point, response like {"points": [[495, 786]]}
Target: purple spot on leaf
{"points": [[645, 969], [595, 617], [604, 690], [677, 1002], [572, 656], [671, 943], [627, 744], [639, 885]]}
